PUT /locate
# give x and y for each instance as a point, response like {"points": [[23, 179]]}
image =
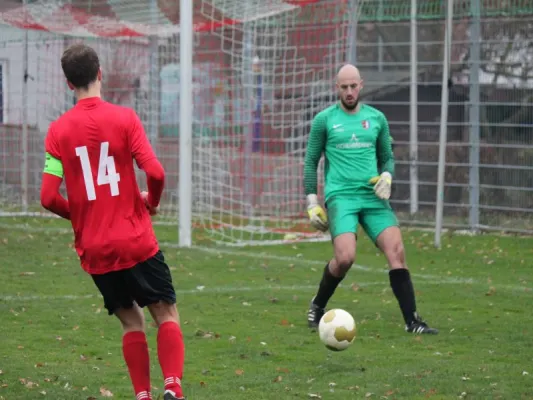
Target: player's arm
{"points": [[144, 156], [385, 155], [385, 161], [315, 147], [51, 199]]}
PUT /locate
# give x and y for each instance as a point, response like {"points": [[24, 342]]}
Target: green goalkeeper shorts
{"points": [[374, 215]]}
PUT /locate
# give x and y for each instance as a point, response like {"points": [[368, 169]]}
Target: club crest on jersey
{"points": [[366, 124]]}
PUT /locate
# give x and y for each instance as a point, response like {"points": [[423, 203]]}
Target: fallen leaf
{"points": [[491, 291], [106, 393], [239, 372]]}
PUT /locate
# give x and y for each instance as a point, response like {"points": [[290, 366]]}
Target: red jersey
{"points": [[96, 142]]}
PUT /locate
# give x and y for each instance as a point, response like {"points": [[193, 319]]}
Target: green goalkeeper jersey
{"points": [[357, 147]]}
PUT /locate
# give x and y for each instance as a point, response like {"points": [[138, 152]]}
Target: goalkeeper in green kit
{"points": [[359, 167]]}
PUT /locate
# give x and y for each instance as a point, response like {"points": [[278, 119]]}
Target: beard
{"points": [[349, 107]]}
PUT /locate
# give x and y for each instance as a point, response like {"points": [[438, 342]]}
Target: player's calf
{"points": [[334, 272], [170, 347], [135, 350], [326, 288], [391, 243]]}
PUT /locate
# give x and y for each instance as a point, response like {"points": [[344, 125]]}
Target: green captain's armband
{"points": [[53, 166]]}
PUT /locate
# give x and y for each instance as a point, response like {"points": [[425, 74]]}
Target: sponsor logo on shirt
{"points": [[354, 143]]}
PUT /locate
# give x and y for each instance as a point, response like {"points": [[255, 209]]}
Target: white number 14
{"points": [[107, 174]]}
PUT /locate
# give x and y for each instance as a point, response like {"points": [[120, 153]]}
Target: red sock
{"points": [[135, 350], [171, 352]]}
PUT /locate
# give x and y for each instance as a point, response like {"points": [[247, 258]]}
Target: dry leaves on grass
{"points": [[27, 383], [105, 392]]}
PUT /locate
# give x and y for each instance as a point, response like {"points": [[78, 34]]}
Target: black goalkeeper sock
{"points": [[402, 287], [327, 287]]}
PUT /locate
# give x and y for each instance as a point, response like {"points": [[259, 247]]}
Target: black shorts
{"points": [[146, 283]]}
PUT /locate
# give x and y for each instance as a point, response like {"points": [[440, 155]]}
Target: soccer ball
{"points": [[337, 329]]}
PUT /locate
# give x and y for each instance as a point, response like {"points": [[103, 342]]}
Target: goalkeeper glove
{"points": [[317, 215], [382, 185]]}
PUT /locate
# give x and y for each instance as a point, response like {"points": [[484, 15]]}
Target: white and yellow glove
{"points": [[317, 215], [382, 185]]}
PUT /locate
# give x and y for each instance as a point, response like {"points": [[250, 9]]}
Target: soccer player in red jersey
{"points": [[92, 146]]}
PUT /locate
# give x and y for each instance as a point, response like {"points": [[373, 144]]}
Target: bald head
{"points": [[349, 84], [348, 72]]}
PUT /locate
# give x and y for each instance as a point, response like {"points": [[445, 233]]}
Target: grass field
{"points": [[243, 315]]}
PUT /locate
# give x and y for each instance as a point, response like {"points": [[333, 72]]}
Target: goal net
{"points": [[262, 69], [277, 67]]}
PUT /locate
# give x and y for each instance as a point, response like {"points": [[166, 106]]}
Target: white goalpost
{"points": [[186, 110]]}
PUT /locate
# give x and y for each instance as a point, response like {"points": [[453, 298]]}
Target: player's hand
{"points": [[382, 185], [317, 215], [151, 210]]}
